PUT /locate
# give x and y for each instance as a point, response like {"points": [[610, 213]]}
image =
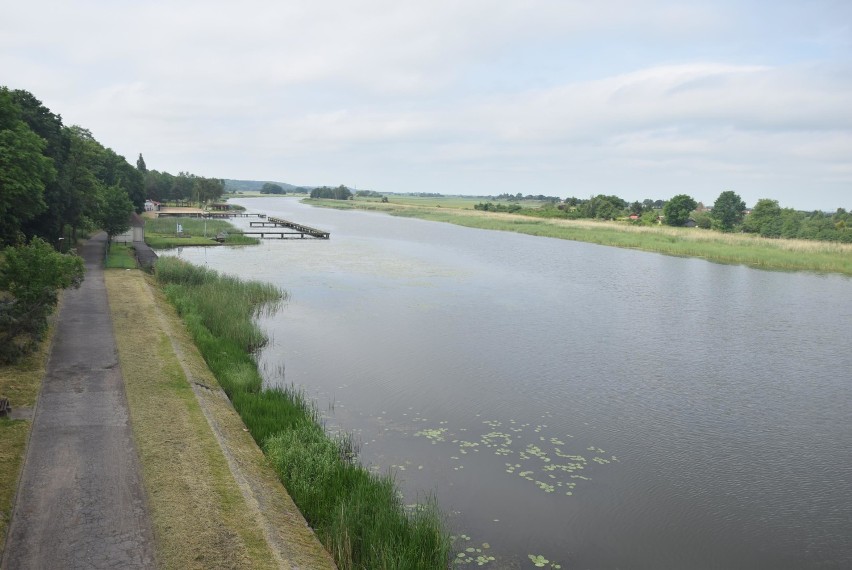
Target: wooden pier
{"points": [[294, 230], [218, 215]]}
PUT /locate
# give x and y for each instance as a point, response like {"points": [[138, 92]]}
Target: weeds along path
{"points": [[215, 502]]}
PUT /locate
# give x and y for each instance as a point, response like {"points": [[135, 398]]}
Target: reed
{"points": [[357, 515]]}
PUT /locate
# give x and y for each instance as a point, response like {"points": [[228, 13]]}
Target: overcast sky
{"points": [[642, 99]]}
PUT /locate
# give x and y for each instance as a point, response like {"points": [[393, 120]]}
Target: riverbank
{"points": [[358, 516], [214, 500], [737, 249]]}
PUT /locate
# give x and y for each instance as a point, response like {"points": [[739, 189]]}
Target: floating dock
{"points": [[295, 230]]}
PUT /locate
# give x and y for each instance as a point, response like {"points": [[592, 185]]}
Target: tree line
{"points": [[183, 188], [56, 181], [727, 214]]}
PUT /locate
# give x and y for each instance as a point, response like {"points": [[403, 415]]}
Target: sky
{"points": [[637, 98]]}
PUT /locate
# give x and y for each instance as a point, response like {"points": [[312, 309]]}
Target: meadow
{"points": [[358, 516], [161, 233], [730, 248]]}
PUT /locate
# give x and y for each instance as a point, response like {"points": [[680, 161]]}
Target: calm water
{"points": [[603, 408]]}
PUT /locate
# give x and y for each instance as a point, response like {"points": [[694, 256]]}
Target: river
{"points": [[598, 407]]}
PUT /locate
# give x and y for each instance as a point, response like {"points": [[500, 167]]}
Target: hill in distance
{"points": [[256, 185]]}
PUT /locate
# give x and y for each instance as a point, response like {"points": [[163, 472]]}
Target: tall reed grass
{"points": [[357, 515]]}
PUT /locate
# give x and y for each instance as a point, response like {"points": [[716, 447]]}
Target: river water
{"points": [[599, 407]]}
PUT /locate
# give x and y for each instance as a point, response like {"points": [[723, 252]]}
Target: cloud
{"points": [[571, 97]]}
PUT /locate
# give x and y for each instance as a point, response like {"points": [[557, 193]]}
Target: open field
{"points": [[745, 249], [160, 233]]}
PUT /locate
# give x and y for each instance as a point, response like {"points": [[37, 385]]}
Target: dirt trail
{"points": [[81, 502]]}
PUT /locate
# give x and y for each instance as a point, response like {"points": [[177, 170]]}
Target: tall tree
{"points": [[728, 211], [50, 223], [140, 164], [114, 212], [24, 170], [678, 209]]}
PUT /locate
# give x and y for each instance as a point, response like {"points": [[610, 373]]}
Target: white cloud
{"points": [[569, 97]]}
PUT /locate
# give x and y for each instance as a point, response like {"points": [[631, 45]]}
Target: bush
{"points": [[30, 277]]}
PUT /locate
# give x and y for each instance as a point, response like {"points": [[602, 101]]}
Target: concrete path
{"points": [[145, 256], [80, 501]]}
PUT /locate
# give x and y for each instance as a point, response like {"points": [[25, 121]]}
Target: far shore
{"points": [[728, 248]]}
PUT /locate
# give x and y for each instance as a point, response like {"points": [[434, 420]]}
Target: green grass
{"points": [[160, 233], [120, 256], [357, 515], [744, 249]]}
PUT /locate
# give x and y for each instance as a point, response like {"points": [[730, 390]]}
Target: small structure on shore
{"points": [[136, 232]]}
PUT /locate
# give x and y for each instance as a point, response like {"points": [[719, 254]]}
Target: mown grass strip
{"points": [[199, 515], [740, 249], [357, 515], [120, 256]]}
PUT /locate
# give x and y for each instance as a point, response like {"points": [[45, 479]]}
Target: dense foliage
{"points": [[339, 193], [728, 211], [30, 276], [183, 188], [677, 210], [53, 178]]}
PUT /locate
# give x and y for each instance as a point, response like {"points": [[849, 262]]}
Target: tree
{"points": [[678, 209], [140, 164], [270, 188], [50, 222], [29, 277], [764, 219], [728, 211], [24, 170], [603, 207], [114, 213]]}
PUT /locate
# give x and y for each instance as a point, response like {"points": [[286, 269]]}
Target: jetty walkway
{"points": [[292, 229]]}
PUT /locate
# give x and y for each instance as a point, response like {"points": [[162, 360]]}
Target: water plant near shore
{"points": [[358, 515]]}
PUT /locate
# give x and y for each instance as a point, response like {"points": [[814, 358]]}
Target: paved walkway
{"points": [[80, 502], [144, 255]]}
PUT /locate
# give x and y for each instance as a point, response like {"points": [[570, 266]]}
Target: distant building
{"points": [[135, 233], [690, 223], [151, 206]]}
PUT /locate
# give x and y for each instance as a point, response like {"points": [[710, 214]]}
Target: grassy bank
{"points": [[120, 256], [199, 508], [358, 516], [160, 233], [744, 249]]}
